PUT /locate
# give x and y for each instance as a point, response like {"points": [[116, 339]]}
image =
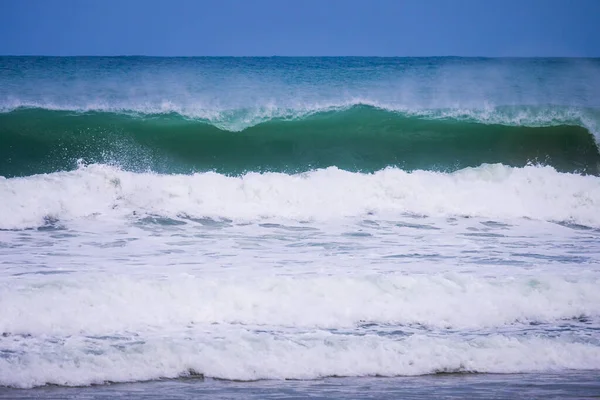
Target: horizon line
{"points": [[279, 56]]}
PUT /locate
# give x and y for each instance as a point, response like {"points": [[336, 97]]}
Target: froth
{"points": [[242, 355], [100, 304], [495, 191]]}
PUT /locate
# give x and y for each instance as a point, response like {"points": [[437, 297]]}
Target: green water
{"points": [[361, 138]]}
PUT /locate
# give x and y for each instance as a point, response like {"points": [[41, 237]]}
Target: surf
{"points": [[305, 327], [106, 193]]}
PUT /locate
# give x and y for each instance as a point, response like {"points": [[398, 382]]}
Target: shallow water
{"points": [[579, 385]]}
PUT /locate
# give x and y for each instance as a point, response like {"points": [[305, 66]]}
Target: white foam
{"points": [[493, 191], [102, 304], [242, 355]]}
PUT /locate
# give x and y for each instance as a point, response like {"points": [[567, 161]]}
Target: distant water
{"points": [[398, 226]]}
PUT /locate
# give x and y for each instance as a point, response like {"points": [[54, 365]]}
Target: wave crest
{"points": [[238, 119]]}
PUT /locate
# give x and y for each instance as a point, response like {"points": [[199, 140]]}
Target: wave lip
{"points": [[492, 191], [358, 138], [239, 119]]}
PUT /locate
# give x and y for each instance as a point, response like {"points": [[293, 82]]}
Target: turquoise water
{"points": [[414, 225], [360, 138]]}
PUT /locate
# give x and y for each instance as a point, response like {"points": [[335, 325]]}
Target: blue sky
{"points": [[301, 27]]}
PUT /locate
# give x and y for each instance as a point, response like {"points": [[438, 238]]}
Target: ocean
{"points": [[299, 227]]}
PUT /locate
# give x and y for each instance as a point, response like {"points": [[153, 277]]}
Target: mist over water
{"points": [[210, 88]]}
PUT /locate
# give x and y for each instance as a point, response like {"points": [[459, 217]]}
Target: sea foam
{"points": [[104, 304], [93, 328], [243, 355], [494, 191]]}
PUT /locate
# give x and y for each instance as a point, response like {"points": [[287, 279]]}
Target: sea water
{"points": [[293, 227]]}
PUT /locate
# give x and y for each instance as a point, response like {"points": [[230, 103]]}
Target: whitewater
{"points": [[274, 226]]}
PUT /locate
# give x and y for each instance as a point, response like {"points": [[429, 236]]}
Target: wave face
{"points": [[362, 138]]}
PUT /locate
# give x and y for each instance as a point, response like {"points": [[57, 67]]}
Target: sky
{"points": [[496, 28]]}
